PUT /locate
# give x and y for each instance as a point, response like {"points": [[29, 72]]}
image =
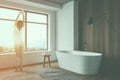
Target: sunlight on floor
{"points": [[31, 67]]}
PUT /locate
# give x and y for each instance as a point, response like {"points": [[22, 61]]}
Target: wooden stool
{"points": [[46, 56]]}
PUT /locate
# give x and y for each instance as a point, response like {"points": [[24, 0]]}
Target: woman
{"points": [[19, 45]]}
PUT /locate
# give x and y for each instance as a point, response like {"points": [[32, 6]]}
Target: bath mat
{"points": [[57, 74]]}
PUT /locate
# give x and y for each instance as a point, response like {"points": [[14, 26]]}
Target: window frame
{"points": [[27, 11]]}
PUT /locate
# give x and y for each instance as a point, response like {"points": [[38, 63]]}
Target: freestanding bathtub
{"points": [[81, 62]]}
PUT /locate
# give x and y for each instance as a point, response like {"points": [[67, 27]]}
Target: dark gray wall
{"points": [[99, 31]]}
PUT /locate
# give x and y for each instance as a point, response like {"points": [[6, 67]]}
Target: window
{"points": [[35, 30], [7, 37], [37, 27]]}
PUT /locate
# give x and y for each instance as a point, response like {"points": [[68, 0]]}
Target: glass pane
{"points": [[36, 36], [36, 18], [6, 36], [8, 13]]}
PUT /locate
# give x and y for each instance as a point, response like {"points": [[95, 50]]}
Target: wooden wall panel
{"points": [[105, 31]]}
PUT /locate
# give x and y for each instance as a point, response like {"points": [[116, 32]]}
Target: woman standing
{"points": [[19, 44]]}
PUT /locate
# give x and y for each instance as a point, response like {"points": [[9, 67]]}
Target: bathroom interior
{"points": [[77, 26]]}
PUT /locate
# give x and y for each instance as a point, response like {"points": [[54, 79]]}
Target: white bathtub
{"points": [[81, 62]]}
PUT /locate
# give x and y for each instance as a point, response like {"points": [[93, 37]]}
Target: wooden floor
{"points": [[55, 65], [31, 67]]}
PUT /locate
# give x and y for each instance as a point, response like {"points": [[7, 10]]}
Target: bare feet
{"points": [[16, 69], [21, 69]]}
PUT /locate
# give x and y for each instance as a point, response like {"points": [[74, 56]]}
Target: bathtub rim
{"points": [[81, 54]]}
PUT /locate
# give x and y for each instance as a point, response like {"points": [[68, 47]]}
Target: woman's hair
{"points": [[19, 24]]}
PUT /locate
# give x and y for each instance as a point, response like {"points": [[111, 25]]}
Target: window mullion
{"points": [[25, 30]]}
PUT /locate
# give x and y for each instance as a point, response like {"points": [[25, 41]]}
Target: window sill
{"points": [[11, 53]]}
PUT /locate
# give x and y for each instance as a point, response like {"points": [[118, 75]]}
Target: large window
{"points": [[35, 30]]}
